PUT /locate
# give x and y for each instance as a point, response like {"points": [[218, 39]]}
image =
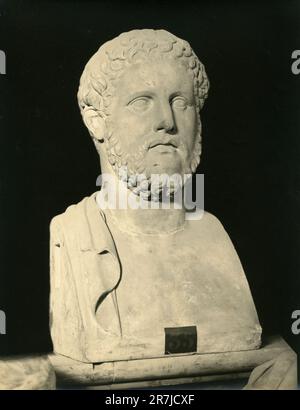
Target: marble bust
{"points": [[143, 281]]}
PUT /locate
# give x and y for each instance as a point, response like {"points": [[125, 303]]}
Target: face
{"points": [[153, 118]]}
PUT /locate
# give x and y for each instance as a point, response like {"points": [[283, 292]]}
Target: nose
{"points": [[164, 120]]}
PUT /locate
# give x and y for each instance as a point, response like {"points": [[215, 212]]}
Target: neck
{"points": [[147, 221]]}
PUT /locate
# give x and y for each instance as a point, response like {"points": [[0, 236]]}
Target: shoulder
{"points": [[82, 225], [205, 221], [73, 214], [207, 226], [211, 239], [73, 210]]}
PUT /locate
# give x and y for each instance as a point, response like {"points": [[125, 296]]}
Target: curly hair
{"points": [[97, 81]]}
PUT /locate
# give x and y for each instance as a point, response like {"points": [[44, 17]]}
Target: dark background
{"points": [[250, 151]]}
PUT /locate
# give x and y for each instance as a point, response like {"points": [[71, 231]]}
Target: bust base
{"points": [[169, 370]]}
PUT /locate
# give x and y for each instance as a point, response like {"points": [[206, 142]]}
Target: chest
{"points": [[166, 282]]}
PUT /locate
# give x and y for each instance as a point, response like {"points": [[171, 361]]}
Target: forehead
{"points": [[154, 76]]}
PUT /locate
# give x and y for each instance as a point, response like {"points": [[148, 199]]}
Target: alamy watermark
{"points": [[2, 323], [295, 67], [157, 191], [296, 323], [2, 62]]}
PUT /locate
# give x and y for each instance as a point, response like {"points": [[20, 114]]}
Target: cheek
{"points": [[131, 128], [189, 128]]}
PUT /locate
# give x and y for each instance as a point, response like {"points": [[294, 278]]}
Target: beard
{"points": [[133, 171]]}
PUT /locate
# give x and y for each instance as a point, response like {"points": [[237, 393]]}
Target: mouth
{"points": [[157, 143]]}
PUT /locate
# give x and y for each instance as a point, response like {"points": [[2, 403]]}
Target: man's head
{"points": [[140, 96]]}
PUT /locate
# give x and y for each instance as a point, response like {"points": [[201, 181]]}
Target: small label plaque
{"points": [[180, 339]]}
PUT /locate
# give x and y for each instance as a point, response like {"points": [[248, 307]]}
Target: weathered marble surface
{"points": [[98, 288], [183, 369], [279, 373], [26, 373]]}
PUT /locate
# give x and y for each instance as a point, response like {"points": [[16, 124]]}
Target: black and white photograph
{"points": [[149, 197]]}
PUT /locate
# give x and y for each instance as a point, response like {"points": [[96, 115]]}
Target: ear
{"points": [[95, 124]]}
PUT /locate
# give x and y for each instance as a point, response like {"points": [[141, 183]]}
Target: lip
{"points": [[163, 144], [164, 149]]}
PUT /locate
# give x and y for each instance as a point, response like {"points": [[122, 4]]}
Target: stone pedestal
{"points": [[185, 368]]}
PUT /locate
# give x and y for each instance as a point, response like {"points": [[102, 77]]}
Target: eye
{"points": [[179, 103], [140, 104]]}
